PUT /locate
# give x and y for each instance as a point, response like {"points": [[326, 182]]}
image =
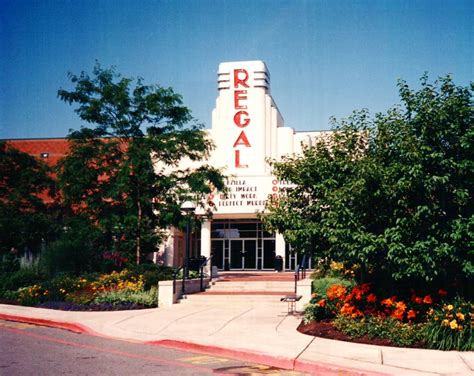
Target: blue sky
{"points": [[326, 58]]}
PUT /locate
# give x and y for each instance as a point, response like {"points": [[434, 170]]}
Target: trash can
{"points": [[278, 263]]}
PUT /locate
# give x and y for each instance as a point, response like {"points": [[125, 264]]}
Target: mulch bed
{"points": [[325, 329]]}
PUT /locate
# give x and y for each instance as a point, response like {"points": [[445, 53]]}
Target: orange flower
{"points": [[371, 298], [387, 302], [347, 309], [427, 299], [322, 303], [442, 292], [336, 292], [411, 314], [400, 308]]}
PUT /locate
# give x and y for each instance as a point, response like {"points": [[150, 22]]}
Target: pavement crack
{"points": [[466, 363], [281, 322], [229, 321], [381, 356], [131, 317], [182, 317], [302, 351]]}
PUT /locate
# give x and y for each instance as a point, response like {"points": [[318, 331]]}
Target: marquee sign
{"points": [[241, 117], [246, 194]]}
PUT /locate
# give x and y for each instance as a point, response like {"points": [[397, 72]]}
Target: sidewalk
{"points": [[254, 330]]}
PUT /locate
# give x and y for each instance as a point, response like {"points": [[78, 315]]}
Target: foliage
{"points": [[333, 269], [401, 334], [450, 326], [321, 285], [127, 288], [361, 300], [123, 173], [27, 215], [32, 295], [152, 273], [12, 281], [147, 298], [392, 194], [75, 250], [358, 311]]}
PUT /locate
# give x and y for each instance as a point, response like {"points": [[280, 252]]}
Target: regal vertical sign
{"points": [[241, 117]]}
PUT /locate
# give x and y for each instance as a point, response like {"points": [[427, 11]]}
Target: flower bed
{"points": [[124, 289], [427, 320]]}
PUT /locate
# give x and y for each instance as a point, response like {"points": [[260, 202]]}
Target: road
{"points": [[35, 350]]}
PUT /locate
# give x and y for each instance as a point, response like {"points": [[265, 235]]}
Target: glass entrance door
{"points": [[243, 254], [250, 254], [217, 253]]}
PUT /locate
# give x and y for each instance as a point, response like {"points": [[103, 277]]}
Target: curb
{"points": [[321, 369], [331, 369], [72, 327]]}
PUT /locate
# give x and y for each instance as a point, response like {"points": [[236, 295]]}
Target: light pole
{"points": [[187, 208]]}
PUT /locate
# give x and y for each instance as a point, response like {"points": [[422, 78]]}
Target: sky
{"points": [[326, 58]]}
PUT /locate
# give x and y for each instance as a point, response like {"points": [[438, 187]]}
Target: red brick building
{"points": [[49, 150]]}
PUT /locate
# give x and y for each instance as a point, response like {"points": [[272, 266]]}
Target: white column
{"points": [[206, 242], [280, 247]]}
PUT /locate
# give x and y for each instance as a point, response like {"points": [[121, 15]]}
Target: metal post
{"points": [[187, 208], [186, 254]]}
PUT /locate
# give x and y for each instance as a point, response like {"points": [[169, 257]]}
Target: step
{"points": [[231, 299], [229, 285]]}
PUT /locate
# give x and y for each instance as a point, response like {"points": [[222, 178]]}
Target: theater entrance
{"points": [[241, 245]]}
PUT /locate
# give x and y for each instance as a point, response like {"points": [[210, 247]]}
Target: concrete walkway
{"points": [[254, 328]]}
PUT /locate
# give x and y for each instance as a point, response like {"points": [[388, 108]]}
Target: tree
{"points": [[26, 201], [124, 173], [393, 194]]}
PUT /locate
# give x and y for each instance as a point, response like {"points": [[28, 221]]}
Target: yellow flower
{"points": [[453, 324], [460, 316], [450, 307], [445, 322]]}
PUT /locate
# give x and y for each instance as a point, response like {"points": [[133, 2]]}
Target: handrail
{"points": [[301, 267], [175, 274], [201, 268]]}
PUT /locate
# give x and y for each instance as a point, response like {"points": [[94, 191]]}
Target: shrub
{"points": [[20, 278], [32, 295], [401, 334], [327, 300], [320, 286], [152, 273], [450, 326], [147, 298], [68, 256]]}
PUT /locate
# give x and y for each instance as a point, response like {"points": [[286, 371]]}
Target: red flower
{"points": [[411, 314], [371, 298], [416, 299], [442, 292], [427, 299], [322, 303]]}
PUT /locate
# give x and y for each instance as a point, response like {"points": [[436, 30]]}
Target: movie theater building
{"points": [[247, 129]]}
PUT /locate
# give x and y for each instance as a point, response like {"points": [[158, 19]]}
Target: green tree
{"points": [[27, 215], [393, 193], [124, 172]]}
